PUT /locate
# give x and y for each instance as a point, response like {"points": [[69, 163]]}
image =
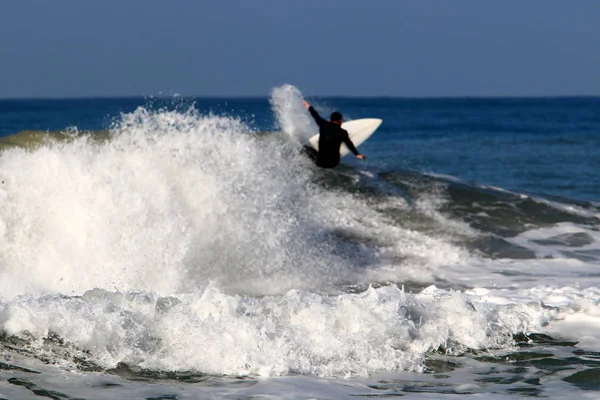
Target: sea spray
{"points": [[291, 116], [171, 202]]}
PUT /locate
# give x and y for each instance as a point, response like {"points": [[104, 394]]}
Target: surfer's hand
{"points": [[305, 103], [361, 157]]}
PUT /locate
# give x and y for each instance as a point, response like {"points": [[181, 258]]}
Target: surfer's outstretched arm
{"points": [[352, 148], [318, 119], [350, 145]]}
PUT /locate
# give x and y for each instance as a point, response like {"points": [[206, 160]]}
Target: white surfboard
{"points": [[359, 130]]}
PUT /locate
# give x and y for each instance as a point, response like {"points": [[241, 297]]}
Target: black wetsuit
{"points": [[331, 137]]}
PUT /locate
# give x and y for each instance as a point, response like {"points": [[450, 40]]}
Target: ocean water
{"points": [[184, 248]]}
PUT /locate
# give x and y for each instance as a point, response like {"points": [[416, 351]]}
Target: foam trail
{"points": [[291, 115]]}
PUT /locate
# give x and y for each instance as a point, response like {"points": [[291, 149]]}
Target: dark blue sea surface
{"points": [[539, 145], [194, 253]]}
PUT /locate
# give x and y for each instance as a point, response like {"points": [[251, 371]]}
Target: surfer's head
{"points": [[336, 117]]}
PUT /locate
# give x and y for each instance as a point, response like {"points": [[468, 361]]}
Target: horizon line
{"points": [[337, 96]]}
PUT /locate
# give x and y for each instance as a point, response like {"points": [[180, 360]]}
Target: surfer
{"points": [[331, 137]]}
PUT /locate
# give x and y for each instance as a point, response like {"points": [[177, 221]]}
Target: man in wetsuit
{"points": [[331, 137]]}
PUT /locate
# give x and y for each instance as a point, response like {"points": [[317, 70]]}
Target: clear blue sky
{"points": [[72, 48]]}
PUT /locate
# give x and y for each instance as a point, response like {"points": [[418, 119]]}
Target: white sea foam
{"points": [[172, 201], [176, 202], [300, 332]]}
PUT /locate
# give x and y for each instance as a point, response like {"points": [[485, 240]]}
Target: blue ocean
{"points": [[185, 248]]}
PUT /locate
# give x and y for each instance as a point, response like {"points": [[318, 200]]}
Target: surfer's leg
{"points": [[311, 153]]}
